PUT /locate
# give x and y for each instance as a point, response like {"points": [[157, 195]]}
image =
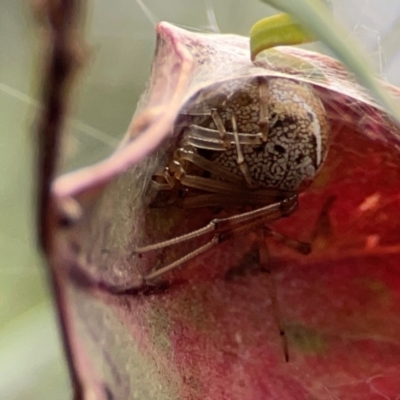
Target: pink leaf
{"points": [[208, 331]]}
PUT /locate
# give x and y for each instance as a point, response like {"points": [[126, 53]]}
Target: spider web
{"points": [[121, 36], [375, 28]]}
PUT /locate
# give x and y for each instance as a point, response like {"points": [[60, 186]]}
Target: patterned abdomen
{"points": [[297, 134]]}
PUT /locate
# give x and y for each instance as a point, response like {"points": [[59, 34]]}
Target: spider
{"points": [[249, 142]]}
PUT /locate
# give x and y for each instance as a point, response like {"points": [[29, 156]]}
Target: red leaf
{"points": [[209, 332]]}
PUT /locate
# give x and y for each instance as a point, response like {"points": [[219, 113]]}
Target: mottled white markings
{"points": [[316, 128]]}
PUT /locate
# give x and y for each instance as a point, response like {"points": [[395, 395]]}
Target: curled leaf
{"points": [[207, 331]]}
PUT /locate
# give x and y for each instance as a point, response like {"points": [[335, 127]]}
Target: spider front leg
{"points": [[244, 168], [220, 140], [221, 128]]}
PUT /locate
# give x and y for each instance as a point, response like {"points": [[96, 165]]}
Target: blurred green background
{"points": [[120, 44]]}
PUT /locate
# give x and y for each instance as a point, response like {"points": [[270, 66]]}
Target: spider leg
{"points": [[234, 185], [210, 166], [264, 262], [221, 128], [224, 229], [162, 180], [244, 168], [257, 198], [301, 247], [261, 215], [206, 138]]}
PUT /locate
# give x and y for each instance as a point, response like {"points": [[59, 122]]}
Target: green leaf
{"points": [[278, 30]]}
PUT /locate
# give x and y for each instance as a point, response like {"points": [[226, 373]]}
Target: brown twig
{"points": [[59, 20]]}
